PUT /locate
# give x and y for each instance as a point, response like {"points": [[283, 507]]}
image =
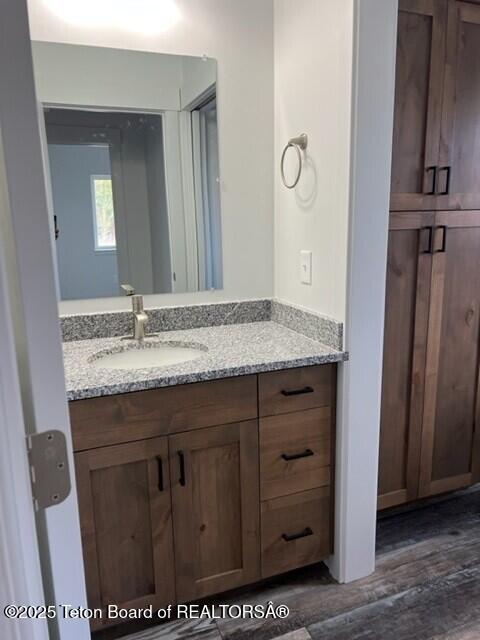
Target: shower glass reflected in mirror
{"points": [[132, 155]]}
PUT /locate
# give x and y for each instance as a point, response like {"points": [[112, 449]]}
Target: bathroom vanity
{"points": [[189, 491], [203, 435], [190, 486]]}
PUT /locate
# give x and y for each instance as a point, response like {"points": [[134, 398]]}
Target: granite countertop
{"points": [[231, 350]]}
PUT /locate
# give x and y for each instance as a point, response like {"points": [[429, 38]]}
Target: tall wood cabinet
{"points": [[450, 446], [418, 103], [409, 267], [430, 401], [436, 153], [459, 155]]}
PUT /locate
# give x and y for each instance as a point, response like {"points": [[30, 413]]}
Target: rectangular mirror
{"points": [[132, 155]]}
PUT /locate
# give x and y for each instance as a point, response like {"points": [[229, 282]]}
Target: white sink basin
{"points": [[148, 355]]}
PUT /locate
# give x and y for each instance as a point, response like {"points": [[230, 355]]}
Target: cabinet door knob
{"points": [[295, 536], [296, 392], [294, 456], [181, 460]]}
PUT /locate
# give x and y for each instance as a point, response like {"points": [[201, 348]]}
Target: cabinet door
{"points": [[418, 98], [405, 339], [451, 413], [459, 175], [215, 499], [125, 517]]}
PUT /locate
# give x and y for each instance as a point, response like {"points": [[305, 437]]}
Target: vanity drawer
{"points": [[295, 531], [295, 389], [295, 452], [98, 422]]}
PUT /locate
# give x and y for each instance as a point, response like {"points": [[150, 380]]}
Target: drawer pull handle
{"points": [[294, 456], [297, 392], [160, 473], [181, 459], [295, 536]]}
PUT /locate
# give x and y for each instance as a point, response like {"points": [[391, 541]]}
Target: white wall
{"points": [[334, 80], [98, 77], [199, 76], [240, 36], [102, 77], [358, 419], [312, 94]]}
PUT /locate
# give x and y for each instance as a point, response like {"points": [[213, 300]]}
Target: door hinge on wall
{"points": [[49, 472]]}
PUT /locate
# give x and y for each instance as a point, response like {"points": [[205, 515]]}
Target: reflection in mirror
{"points": [[135, 191]]}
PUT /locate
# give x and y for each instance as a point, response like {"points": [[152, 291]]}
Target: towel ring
{"points": [[299, 144]]}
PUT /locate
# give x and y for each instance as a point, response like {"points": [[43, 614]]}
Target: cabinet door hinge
{"points": [[49, 472]]}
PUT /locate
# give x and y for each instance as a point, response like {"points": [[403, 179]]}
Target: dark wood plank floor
{"points": [[426, 587]]}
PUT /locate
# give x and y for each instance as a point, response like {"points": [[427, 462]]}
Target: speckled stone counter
{"points": [[229, 350]]}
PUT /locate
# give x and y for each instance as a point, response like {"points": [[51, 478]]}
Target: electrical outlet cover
{"points": [[306, 267]]}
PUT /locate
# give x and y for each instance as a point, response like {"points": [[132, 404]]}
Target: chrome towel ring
{"points": [[299, 144]]}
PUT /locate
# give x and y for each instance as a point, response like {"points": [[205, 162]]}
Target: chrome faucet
{"points": [[140, 318]]}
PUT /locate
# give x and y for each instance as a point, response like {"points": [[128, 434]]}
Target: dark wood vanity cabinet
{"points": [[297, 439], [215, 507], [189, 491], [126, 518], [436, 155]]}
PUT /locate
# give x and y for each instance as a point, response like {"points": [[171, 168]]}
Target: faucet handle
{"points": [[129, 290]]}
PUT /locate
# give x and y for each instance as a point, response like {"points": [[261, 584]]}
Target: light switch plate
{"points": [[306, 267]]}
